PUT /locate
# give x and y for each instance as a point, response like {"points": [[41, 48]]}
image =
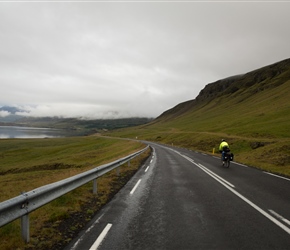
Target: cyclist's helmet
{"points": [[223, 140]]}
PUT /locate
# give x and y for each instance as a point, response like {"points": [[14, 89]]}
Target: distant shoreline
{"points": [[24, 132], [27, 127]]}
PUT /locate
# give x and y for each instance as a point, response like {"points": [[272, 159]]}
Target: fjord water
{"points": [[31, 132]]}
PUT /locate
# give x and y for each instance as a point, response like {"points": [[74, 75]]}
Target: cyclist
{"points": [[224, 147]]}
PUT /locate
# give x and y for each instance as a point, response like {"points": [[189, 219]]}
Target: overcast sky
{"points": [[104, 59]]}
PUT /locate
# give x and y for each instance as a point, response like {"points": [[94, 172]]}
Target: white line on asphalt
{"points": [[212, 174], [240, 164], [280, 217], [87, 231], [137, 184], [101, 237], [271, 218], [267, 215], [278, 176], [206, 169], [151, 161], [146, 169], [187, 158]]}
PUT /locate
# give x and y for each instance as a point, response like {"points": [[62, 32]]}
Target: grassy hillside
{"points": [[27, 164], [251, 111]]}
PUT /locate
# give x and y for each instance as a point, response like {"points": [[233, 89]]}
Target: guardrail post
{"points": [[25, 228], [95, 186], [118, 171]]}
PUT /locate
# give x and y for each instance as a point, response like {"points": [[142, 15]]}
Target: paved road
{"points": [[182, 199]]}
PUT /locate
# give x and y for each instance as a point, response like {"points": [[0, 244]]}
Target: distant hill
{"points": [[79, 124], [245, 86], [254, 104], [88, 126]]}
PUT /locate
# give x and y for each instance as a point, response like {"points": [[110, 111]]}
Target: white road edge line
{"points": [[245, 166], [101, 237], [280, 217], [271, 218], [146, 169], [284, 178], [137, 184], [267, 215]]}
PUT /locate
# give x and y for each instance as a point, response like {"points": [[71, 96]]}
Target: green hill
{"points": [[251, 111], [255, 104]]}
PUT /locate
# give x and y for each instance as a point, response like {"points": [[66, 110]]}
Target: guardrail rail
{"points": [[20, 206]]}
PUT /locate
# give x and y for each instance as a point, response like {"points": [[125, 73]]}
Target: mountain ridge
{"points": [[257, 80]]}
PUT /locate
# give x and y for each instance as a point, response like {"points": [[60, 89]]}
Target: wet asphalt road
{"points": [[182, 199]]}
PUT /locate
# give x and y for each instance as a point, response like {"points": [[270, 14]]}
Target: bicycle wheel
{"points": [[227, 163]]}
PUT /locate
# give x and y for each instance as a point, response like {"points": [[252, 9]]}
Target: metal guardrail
{"points": [[20, 206]]}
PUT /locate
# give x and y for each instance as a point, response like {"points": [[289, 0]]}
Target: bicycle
{"points": [[228, 157]]}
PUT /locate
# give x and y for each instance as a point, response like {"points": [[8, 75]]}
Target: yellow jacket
{"points": [[223, 144]]}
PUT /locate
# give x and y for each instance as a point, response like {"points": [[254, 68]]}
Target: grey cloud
{"points": [[4, 113], [130, 59]]}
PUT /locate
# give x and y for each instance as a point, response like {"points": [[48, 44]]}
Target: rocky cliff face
{"points": [[266, 77]]}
